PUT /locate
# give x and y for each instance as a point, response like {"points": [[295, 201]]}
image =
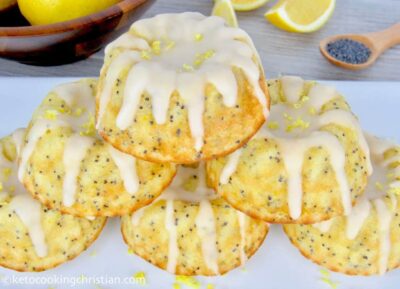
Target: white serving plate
{"points": [[277, 264]]}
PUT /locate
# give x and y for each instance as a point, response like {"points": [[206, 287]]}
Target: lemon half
{"points": [[224, 9], [302, 16], [247, 5]]}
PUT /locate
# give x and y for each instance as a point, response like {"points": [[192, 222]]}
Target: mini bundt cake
{"points": [[34, 238], [365, 242], [181, 88], [191, 231], [309, 163], [66, 166]]}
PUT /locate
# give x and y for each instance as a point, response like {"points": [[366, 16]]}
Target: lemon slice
{"points": [[302, 16], [224, 9], [247, 5]]}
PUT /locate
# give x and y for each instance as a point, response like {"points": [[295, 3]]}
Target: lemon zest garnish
{"points": [[145, 55], [288, 117], [390, 176], [297, 105], [210, 286], [130, 251], [176, 286], [208, 54], [93, 254], [7, 172], [199, 37], [394, 191], [298, 123], [273, 125], [79, 111], [170, 45], [1, 186], [326, 278], [140, 277], [62, 110], [187, 67], [379, 186], [51, 114], [188, 281], [89, 128], [304, 98], [312, 111], [156, 47]]}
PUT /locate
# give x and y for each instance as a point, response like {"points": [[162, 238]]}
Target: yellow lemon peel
{"points": [[188, 281]]}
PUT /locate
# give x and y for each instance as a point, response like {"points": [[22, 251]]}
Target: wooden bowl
{"points": [[65, 42]]}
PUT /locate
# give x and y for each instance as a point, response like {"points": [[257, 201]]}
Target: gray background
{"points": [[282, 52]]}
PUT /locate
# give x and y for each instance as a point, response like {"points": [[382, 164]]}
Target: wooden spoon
{"points": [[377, 42]]}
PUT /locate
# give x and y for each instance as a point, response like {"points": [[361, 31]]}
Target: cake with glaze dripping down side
{"points": [[190, 230], [308, 163], [365, 242], [33, 237], [181, 88]]}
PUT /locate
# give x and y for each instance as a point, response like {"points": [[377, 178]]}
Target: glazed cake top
{"points": [[181, 53]]}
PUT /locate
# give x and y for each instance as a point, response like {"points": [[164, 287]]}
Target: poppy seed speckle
{"points": [[349, 51]]}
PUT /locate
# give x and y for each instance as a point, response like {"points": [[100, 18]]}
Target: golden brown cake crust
{"points": [[66, 236], [226, 129], [100, 186], [149, 238]]}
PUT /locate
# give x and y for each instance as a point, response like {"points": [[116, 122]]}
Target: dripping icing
{"points": [[27, 209], [205, 219], [383, 179], [298, 124], [80, 100], [186, 67]]}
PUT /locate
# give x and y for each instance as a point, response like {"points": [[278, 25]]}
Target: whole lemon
{"points": [[39, 12]]}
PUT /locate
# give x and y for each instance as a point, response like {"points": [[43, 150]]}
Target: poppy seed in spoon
{"points": [[349, 51]]}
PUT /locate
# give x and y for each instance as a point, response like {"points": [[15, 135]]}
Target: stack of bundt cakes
{"points": [[185, 140]]}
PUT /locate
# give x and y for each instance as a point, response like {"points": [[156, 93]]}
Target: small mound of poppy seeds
{"points": [[349, 51]]}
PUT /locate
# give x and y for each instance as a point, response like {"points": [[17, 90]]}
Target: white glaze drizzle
{"points": [[39, 128], [127, 58], [294, 142], [230, 166], [205, 225], [356, 219], [75, 151], [127, 168], [78, 96], [292, 88], [242, 218], [205, 219], [137, 216], [324, 226], [385, 216], [177, 67], [293, 157], [28, 210]]}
